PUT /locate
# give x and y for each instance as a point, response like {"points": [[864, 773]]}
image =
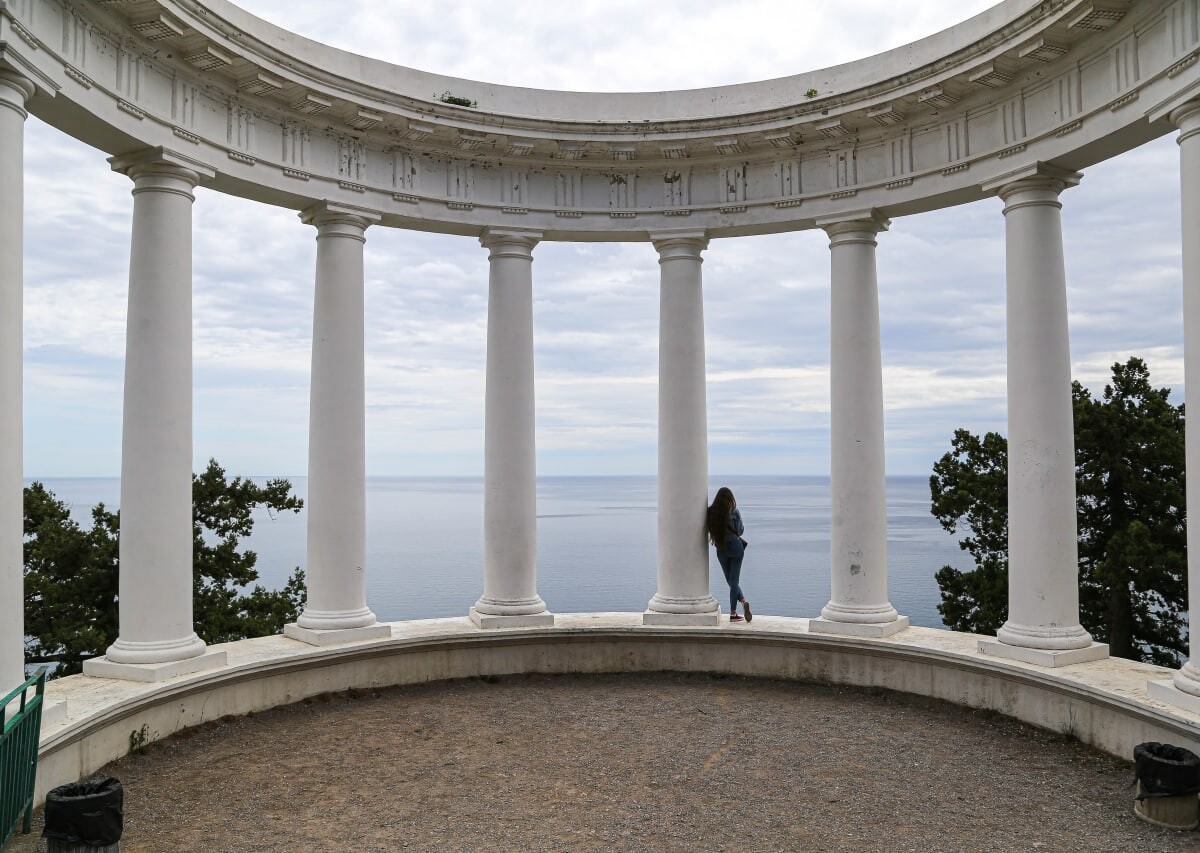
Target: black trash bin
{"points": [[85, 816], [1168, 779]]}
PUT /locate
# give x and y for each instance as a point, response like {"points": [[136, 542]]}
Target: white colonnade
{"points": [[682, 596], [858, 554], [157, 639], [14, 91], [336, 606], [510, 597], [265, 116]]}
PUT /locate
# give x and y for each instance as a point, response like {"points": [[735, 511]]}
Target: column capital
{"points": [[335, 219], [1036, 176], [682, 244], [15, 90], [840, 227], [510, 242], [161, 161], [1187, 119], [1181, 101]]}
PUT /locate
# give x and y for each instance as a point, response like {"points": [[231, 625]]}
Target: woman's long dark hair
{"points": [[717, 520]]}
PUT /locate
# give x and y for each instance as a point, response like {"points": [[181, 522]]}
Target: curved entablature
{"points": [[288, 121]]}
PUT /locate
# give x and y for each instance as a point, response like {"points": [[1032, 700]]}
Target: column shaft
{"points": [[337, 490], [14, 91], [858, 491], [1187, 119], [1043, 571], [156, 626], [683, 593], [510, 596]]}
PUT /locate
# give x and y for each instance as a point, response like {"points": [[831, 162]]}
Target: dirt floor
{"points": [[648, 762]]}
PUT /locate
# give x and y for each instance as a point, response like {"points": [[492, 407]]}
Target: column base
{"points": [[155, 651], [657, 617], [337, 636], [1166, 692], [1187, 678], [858, 629], [684, 605], [878, 614], [336, 620], [102, 667], [545, 619], [1044, 657]]}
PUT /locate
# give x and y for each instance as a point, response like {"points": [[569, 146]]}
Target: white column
{"points": [[510, 598], [336, 608], [157, 638], [683, 596], [1043, 567], [858, 568], [14, 91], [1184, 688]]}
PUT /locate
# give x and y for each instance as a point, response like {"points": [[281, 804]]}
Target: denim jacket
{"points": [[733, 540]]}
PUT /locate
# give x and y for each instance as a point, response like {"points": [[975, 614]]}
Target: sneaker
{"points": [[735, 618], [746, 610]]}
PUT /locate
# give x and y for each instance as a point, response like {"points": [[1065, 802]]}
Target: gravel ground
{"points": [[659, 761]]}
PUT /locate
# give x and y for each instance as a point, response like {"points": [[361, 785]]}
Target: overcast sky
{"points": [[941, 275]]}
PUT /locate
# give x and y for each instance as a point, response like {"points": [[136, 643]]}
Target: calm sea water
{"points": [[596, 543]]}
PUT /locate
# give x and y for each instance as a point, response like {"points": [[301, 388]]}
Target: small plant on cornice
{"points": [[447, 98], [811, 93]]}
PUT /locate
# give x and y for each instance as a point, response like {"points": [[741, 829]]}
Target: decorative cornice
{"points": [[78, 76], [752, 168], [1183, 64]]}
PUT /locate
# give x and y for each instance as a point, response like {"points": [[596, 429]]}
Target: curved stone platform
{"points": [[1103, 703]]}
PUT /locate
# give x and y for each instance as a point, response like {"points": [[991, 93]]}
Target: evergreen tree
{"points": [[71, 574], [1129, 452], [70, 582], [970, 489]]}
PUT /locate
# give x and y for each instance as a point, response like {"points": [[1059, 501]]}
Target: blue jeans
{"points": [[732, 567]]}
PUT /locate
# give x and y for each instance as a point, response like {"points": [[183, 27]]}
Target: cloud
{"points": [[615, 45]]}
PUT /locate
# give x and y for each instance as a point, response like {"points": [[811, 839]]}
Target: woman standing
{"points": [[724, 525]]}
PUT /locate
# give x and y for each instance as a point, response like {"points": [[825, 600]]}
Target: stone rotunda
{"points": [[1013, 103]]}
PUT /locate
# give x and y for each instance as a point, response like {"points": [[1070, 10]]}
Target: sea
{"points": [[596, 543]]}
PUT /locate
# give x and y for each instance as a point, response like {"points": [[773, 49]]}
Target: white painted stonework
{"points": [[336, 606], [1014, 103], [156, 638], [682, 597], [1103, 703], [14, 89], [858, 555], [510, 595]]}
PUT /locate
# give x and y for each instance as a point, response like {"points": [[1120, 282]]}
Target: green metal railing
{"points": [[18, 754]]}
